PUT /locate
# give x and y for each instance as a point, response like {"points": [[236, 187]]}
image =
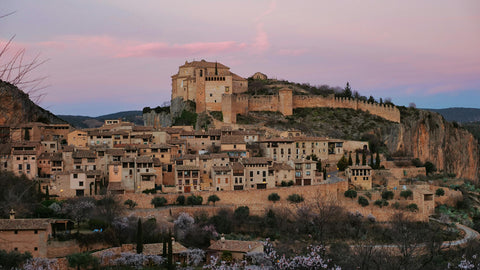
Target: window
{"points": [[28, 167], [251, 174], [19, 167], [35, 248], [75, 176], [80, 183], [35, 232], [307, 173], [16, 232]]}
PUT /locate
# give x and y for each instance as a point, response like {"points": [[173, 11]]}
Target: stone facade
{"points": [[205, 83]]}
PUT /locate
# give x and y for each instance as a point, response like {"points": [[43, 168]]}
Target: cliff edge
{"points": [[17, 108]]}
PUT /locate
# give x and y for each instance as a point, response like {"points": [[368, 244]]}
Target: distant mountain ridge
{"points": [[461, 115], [80, 121]]}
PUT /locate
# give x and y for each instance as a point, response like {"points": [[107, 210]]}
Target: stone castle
{"points": [[213, 87]]}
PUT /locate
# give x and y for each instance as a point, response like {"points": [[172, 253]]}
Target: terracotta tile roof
{"points": [[232, 139], [142, 128], [255, 160], [235, 245], [157, 248], [187, 168], [360, 167], [84, 154], [115, 186], [140, 159], [5, 149], [93, 172], [281, 166], [277, 139], [115, 151], [235, 77], [24, 152], [24, 224], [204, 64], [221, 168], [237, 166], [25, 144], [303, 139]]}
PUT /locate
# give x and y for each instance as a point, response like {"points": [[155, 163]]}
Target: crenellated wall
{"points": [[285, 102]]}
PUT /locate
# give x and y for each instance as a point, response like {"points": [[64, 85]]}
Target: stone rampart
{"points": [[242, 104]]}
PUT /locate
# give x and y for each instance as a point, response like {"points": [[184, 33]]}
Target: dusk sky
{"points": [[106, 56]]}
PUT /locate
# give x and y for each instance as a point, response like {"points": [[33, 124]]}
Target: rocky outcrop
{"points": [[17, 108], [429, 137], [165, 116]]}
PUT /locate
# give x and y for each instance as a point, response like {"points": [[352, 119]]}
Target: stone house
{"points": [[222, 178], [256, 173], [187, 178], [25, 235], [305, 172], [237, 248], [360, 176], [24, 158]]}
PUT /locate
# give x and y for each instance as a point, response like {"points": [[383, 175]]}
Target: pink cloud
{"points": [[161, 49], [261, 43]]}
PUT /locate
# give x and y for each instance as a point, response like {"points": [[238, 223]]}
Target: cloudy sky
{"points": [[114, 55]]}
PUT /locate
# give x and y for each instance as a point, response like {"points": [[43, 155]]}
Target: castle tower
{"points": [[200, 93], [229, 115], [285, 101]]}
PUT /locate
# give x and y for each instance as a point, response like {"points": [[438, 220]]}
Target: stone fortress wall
{"points": [[285, 102]]}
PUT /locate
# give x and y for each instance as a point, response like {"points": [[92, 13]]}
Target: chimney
{"points": [[222, 239], [12, 214]]}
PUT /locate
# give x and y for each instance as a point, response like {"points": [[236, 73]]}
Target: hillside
{"points": [[79, 121], [421, 134], [461, 115], [17, 108]]}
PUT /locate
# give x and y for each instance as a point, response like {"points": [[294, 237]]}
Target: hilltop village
{"points": [[242, 165]]}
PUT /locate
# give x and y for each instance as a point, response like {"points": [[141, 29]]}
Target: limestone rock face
{"points": [[17, 108], [166, 119], [427, 136]]}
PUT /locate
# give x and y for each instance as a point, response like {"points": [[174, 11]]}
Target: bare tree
{"points": [[17, 69]]}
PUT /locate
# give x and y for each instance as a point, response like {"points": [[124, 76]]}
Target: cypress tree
{"points": [[377, 161], [371, 160], [170, 252], [364, 159], [139, 237], [357, 159], [350, 161], [324, 173]]}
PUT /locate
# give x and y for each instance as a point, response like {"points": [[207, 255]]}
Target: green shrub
{"points": [[440, 192], [396, 205], [194, 200], [295, 198], [290, 183], [158, 201], [150, 191], [387, 195], [213, 198], [406, 193], [284, 184], [368, 195], [273, 197], [130, 203], [381, 203], [181, 200], [363, 201], [412, 207], [350, 193]]}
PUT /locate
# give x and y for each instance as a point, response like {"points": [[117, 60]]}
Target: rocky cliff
{"points": [[421, 134], [427, 136], [17, 108]]}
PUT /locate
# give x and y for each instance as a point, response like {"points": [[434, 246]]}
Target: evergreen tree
{"points": [[170, 253], [342, 164], [350, 161], [324, 173], [364, 159], [348, 91], [371, 99], [371, 161], [357, 159], [319, 165], [27, 135], [139, 237]]}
